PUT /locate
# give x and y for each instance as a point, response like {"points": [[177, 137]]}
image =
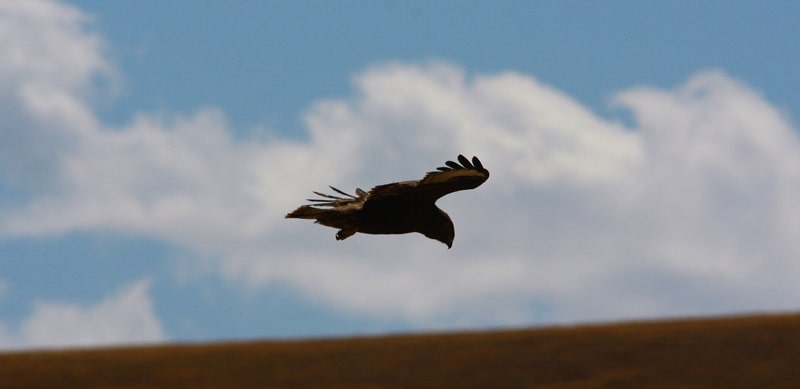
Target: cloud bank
{"points": [[126, 317], [690, 209]]}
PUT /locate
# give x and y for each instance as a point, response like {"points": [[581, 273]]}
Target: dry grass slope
{"points": [[755, 351]]}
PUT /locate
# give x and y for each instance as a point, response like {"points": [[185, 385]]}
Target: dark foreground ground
{"points": [[748, 352]]}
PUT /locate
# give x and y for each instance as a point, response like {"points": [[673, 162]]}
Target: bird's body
{"points": [[397, 208]]}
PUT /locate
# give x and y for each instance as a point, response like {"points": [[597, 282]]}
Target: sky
{"points": [[644, 158]]}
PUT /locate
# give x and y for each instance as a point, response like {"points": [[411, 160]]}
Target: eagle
{"points": [[399, 207]]}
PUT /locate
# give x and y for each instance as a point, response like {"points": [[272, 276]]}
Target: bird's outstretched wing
{"points": [[452, 178], [328, 209], [455, 176], [348, 201]]}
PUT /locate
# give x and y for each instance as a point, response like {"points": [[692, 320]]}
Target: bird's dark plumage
{"points": [[399, 207]]}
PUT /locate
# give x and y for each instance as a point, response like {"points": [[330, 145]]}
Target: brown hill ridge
{"points": [[753, 351]]}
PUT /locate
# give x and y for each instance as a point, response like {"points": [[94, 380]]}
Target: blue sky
{"points": [[167, 50], [644, 163]]}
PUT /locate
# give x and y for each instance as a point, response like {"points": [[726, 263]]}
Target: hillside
{"points": [[754, 351]]}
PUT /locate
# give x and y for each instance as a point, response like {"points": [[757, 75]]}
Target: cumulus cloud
{"points": [[125, 317], [49, 62], [695, 196], [688, 210]]}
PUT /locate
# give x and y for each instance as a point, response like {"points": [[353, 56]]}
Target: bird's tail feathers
{"points": [[307, 212]]}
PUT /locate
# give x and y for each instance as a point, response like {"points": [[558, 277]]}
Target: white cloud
{"points": [[123, 318], [48, 64], [578, 208], [691, 210]]}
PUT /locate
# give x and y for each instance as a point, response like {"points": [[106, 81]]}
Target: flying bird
{"points": [[399, 207]]}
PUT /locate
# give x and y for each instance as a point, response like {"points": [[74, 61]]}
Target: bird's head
{"points": [[442, 229], [449, 242]]}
